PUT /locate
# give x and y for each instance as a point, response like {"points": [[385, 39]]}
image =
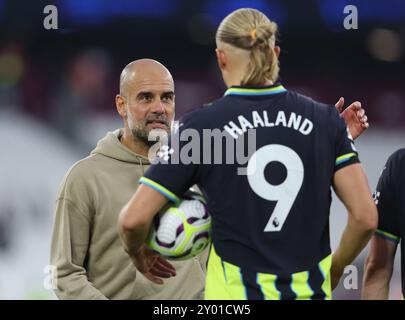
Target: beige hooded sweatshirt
{"points": [[86, 250]]}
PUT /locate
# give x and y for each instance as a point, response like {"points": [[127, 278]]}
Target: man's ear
{"points": [[277, 50], [121, 106], [221, 59]]}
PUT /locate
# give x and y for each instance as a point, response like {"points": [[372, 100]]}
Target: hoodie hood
{"points": [[111, 146]]}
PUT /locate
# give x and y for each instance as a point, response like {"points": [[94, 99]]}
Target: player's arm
{"points": [[350, 185], [135, 218], [380, 260], [133, 226], [378, 268], [161, 182]]}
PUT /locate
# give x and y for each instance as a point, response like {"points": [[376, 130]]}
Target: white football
{"points": [[182, 231]]}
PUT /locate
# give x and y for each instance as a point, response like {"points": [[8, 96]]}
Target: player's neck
{"points": [[236, 81]]}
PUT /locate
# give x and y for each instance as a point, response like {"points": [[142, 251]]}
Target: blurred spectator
{"points": [[85, 90], [12, 68]]}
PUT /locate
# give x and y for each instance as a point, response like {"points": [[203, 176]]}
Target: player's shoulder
{"points": [[203, 114], [399, 154], [393, 173], [321, 113], [397, 159], [301, 99]]}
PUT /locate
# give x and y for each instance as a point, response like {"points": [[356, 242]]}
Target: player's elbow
{"points": [[377, 269], [130, 222], [370, 221], [374, 264], [366, 217]]}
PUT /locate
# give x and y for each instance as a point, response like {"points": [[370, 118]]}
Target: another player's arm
{"points": [[350, 184], [133, 226], [378, 268], [379, 263], [354, 116]]}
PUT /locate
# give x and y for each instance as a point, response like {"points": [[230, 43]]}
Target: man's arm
{"points": [[378, 268], [354, 116], [70, 241], [350, 184]]}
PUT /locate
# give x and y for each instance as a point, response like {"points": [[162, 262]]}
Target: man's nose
{"points": [[158, 107]]}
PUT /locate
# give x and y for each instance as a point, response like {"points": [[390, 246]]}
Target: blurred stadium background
{"points": [[57, 92]]}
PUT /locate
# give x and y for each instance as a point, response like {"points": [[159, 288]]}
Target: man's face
{"points": [[150, 105]]}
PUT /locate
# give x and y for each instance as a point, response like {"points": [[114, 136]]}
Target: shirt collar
{"points": [[255, 91]]}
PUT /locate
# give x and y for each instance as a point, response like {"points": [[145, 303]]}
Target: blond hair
{"points": [[251, 30]]}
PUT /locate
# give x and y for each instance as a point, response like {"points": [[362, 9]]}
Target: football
{"points": [[183, 230]]}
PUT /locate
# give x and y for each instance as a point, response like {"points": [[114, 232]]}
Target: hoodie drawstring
{"points": [[141, 163]]}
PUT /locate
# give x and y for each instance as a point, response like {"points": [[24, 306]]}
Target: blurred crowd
{"points": [[66, 94]]}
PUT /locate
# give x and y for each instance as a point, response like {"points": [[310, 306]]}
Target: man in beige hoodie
{"points": [[86, 250]]}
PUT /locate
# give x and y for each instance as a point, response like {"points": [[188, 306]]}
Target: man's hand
{"points": [[152, 266], [354, 116]]}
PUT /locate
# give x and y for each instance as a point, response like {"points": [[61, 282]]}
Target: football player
{"points": [[271, 214]]}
